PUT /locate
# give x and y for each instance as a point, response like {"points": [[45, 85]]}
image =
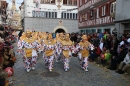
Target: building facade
{"points": [[0, 13], [122, 18], [3, 14], [51, 15], [96, 15], [22, 12]]}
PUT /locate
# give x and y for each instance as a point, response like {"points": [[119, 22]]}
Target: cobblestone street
{"points": [[97, 75]]}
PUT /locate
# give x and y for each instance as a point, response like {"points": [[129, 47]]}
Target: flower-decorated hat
{"points": [[50, 36], [28, 32], [84, 37], [67, 36]]}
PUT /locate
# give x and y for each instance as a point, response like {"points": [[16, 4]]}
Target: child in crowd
{"points": [[104, 57]]}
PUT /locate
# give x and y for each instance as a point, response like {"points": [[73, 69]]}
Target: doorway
{"points": [[59, 31]]}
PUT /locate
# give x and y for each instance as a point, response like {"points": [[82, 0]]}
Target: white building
{"points": [[9, 14], [3, 6], [0, 13], [122, 18], [51, 15]]}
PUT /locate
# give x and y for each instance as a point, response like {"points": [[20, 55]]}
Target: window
{"points": [[65, 15], [74, 16], [68, 15], [69, 2], [75, 2], [85, 16], [61, 15], [55, 14], [64, 1], [52, 1], [103, 10], [42, 14], [71, 16], [39, 13], [49, 14], [36, 13], [80, 3], [91, 14], [45, 14], [47, 1], [113, 7], [97, 12]]}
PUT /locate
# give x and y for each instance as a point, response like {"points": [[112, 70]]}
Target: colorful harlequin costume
{"points": [[59, 46], [67, 45], [49, 51], [27, 46], [83, 52]]}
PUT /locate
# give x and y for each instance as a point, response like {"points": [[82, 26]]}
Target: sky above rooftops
{"points": [[17, 2]]}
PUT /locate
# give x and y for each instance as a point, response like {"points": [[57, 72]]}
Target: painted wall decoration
{"points": [[37, 8]]}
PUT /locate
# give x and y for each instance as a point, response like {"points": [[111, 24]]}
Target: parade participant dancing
{"points": [[49, 51], [67, 45], [59, 39], [83, 52], [27, 46]]}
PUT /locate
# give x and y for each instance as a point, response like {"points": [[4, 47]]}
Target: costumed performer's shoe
{"points": [[57, 61], [66, 70], [33, 68], [86, 70], [28, 70], [50, 70]]}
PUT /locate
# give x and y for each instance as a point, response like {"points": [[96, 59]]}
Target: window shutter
{"points": [[107, 9], [88, 15], [100, 12]]}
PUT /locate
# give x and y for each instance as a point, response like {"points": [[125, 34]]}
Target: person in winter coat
{"points": [[125, 64], [118, 58]]}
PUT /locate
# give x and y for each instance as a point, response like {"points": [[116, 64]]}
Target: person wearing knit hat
{"points": [[49, 51], [27, 46], [83, 52], [67, 46], [125, 64]]}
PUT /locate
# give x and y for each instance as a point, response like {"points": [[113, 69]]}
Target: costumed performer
{"points": [[49, 51], [67, 46], [83, 52], [28, 46]]}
